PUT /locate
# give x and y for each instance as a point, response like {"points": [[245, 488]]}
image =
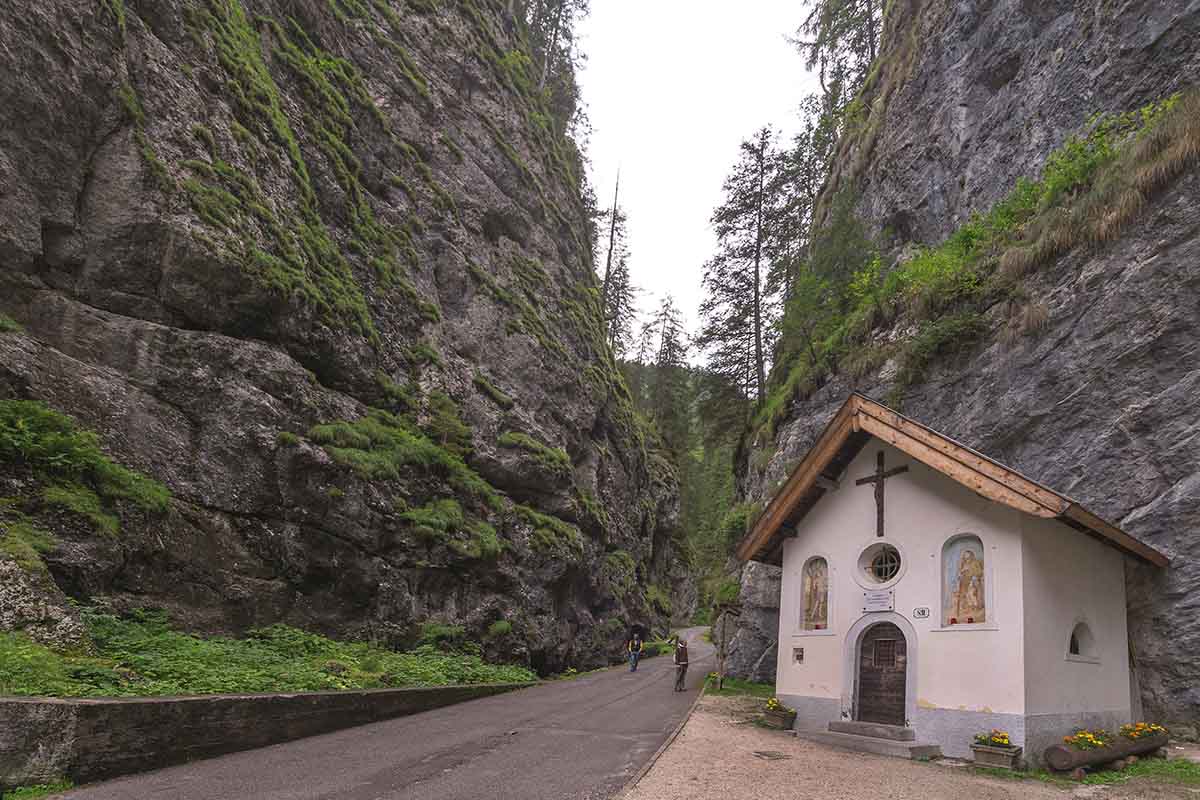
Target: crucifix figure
{"points": [[878, 478]]}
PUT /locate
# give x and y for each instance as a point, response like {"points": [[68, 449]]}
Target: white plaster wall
{"points": [[963, 668], [1068, 577]]}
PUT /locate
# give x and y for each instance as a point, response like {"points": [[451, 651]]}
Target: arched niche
{"points": [[965, 584], [814, 594]]}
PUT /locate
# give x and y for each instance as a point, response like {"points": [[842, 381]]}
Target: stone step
{"points": [[897, 733], [873, 744]]}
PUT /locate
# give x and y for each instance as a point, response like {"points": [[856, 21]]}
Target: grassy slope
{"points": [[144, 656]]}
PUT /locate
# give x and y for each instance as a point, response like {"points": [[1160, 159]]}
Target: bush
{"points": [[40, 790], [499, 628]]}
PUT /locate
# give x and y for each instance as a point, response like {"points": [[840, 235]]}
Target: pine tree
{"points": [[797, 180], [840, 39], [669, 407], [737, 309], [618, 295]]}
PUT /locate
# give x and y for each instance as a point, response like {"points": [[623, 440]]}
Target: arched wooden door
{"points": [[882, 675]]}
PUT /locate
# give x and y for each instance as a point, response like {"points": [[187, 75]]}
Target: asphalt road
{"points": [[567, 740]]}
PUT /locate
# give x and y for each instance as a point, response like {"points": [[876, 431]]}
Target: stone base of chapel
{"points": [[954, 730]]}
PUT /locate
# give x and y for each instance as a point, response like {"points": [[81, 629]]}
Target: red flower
{"points": [[970, 620], [954, 620]]}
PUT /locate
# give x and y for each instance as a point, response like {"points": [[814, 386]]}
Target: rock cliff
{"points": [[1095, 398], [323, 269]]}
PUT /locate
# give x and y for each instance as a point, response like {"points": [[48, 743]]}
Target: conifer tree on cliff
{"points": [[840, 39], [670, 400], [735, 313], [618, 295]]}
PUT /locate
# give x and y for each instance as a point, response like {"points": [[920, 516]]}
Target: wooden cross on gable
{"points": [[878, 478]]}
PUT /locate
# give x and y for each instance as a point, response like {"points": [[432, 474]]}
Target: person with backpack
{"points": [[681, 664], [635, 648]]}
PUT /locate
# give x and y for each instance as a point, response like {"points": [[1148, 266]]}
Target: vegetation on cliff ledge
{"points": [[73, 475], [1088, 190], [144, 656]]}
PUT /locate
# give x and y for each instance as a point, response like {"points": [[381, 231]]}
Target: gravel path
{"points": [[714, 757]]}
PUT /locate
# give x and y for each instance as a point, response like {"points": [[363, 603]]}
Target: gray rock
{"points": [[144, 321], [1098, 404]]}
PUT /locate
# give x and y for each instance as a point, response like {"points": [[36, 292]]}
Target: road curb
{"points": [[633, 782]]}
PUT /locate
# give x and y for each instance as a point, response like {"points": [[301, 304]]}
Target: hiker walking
{"points": [[635, 651], [681, 664]]}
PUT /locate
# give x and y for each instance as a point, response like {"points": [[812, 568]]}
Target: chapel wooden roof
{"points": [[856, 422]]}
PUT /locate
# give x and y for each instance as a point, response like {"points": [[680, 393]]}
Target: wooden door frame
{"points": [[853, 653]]}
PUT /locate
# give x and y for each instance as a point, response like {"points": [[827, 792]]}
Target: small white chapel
{"points": [[930, 593]]}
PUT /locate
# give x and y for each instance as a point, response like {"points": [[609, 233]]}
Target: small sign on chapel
{"points": [[879, 601]]}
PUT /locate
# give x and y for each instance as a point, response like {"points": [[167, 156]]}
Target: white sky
{"points": [[672, 87]]}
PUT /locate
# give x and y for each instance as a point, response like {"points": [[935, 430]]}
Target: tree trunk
{"points": [[612, 238], [551, 43], [758, 237], [1064, 759], [871, 33]]}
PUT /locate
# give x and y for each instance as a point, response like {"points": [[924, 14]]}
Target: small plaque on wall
{"points": [[878, 601], [921, 612], [797, 655]]}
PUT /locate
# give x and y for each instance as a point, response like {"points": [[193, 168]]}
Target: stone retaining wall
{"points": [[42, 739]]}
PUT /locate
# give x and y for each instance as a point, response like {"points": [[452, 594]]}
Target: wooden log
{"points": [[1063, 758]]}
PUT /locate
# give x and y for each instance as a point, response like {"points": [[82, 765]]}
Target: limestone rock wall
{"points": [[223, 222], [1100, 402]]}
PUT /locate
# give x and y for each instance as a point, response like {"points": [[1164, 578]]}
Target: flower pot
{"points": [[782, 720], [987, 755]]}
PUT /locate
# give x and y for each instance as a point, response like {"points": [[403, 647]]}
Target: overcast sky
{"points": [[672, 87]]}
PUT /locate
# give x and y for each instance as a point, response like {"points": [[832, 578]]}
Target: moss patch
{"points": [[553, 460], [381, 445], [551, 535], [79, 476]]}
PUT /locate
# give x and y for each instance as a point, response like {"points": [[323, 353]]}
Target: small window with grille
{"points": [[885, 653]]}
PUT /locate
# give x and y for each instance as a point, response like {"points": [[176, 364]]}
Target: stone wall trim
{"points": [[92, 739]]}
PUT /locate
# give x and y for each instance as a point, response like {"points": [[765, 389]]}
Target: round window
{"points": [[885, 564], [880, 565]]}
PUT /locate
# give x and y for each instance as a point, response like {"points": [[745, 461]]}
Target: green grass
{"points": [[551, 535], [1173, 770], [658, 598], [22, 541], [9, 325], [34, 792], [79, 477], [1176, 770], [144, 656], [620, 570], [287, 439], [553, 460], [381, 446], [1087, 190], [735, 687], [83, 501], [494, 394]]}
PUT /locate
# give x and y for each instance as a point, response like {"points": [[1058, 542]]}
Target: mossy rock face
{"points": [[322, 257]]}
